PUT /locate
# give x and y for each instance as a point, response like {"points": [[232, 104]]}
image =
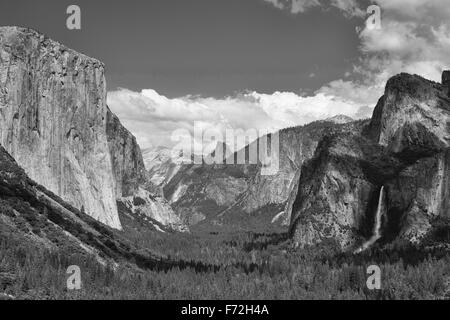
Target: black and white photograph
{"points": [[224, 154]]}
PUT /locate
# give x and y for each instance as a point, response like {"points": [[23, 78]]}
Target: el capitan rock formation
{"points": [[55, 122]]}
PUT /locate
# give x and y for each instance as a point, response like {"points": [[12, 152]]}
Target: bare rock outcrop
{"points": [[55, 122], [148, 205], [243, 189], [127, 162], [338, 189], [53, 118], [446, 81], [297, 145], [413, 116], [161, 165], [419, 197], [133, 188], [404, 150]]}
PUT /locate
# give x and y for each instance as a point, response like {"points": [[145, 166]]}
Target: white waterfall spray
{"points": [[377, 226]]}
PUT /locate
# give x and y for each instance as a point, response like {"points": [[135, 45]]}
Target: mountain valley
{"points": [[76, 189]]}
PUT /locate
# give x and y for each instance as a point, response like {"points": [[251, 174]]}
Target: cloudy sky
{"points": [[244, 63]]}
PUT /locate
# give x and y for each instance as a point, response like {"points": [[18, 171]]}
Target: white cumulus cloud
{"points": [[349, 7], [414, 37], [153, 118]]}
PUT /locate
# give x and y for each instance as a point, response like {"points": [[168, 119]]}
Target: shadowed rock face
{"points": [[420, 195], [297, 145], [446, 82], [404, 148], [53, 119], [133, 190], [338, 189], [413, 117], [126, 157]]}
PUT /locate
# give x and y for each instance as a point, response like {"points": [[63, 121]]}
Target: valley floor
{"points": [[241, 265]]}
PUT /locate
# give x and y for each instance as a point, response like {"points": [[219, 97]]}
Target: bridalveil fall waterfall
{"points": [[377, 226]]}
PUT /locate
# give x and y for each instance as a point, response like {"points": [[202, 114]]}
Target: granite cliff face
{"points": [[202, 192], [54, 121], [161, 165], [297, 145], [419, 197], [413, 122], [412, 117], [134, 192], [152, 208], [338, 189], [53, 117], [126, 157], [404, 148]]}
